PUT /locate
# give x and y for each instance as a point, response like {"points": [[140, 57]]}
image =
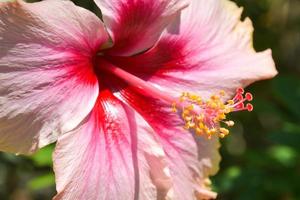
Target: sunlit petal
{"points": [[136, 25], [47, 85]]}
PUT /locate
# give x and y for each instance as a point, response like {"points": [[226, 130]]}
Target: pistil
{"points": [[139, 84], [206, 117], [203, 117]]}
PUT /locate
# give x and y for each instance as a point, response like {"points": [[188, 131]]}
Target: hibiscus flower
{"points": [[121, 96]]}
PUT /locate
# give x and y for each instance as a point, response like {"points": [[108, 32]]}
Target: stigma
{"points": [[209, 117]]}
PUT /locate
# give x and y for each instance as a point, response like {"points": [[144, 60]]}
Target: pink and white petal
{"points": [[208, 154], [203, 52], [136, 25], [221, 73], [151, 159], [109, 156], [189, 165], [47, 84]]}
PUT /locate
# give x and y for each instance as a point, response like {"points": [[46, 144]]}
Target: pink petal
{"points": [[136, 25], [47, 85], [203, 52], [189, 165], [110, 156]]}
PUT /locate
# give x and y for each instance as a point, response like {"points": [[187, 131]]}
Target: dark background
{"points": [[260, 160]]}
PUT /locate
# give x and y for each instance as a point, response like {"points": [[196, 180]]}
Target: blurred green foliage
{"points": [[261, 159]]}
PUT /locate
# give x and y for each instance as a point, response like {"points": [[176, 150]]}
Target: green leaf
{"points": [[283, 154], [287, 91], [41, 182], [44, 156]]}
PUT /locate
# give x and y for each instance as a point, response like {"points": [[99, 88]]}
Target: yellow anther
{"points": [[190, 107], [215, 97], [188, 118], [214, 105], [229, 123], [199, 131], [200, 117], [174, 109], [181, 99], [222, 106], [213, 131], [185, 112], [199, 101], [221, 116], [201, 125], [203, 117], [230, 102], [224, 131], [228, 110], [193, 97], [191, 124], [184, 94]]}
